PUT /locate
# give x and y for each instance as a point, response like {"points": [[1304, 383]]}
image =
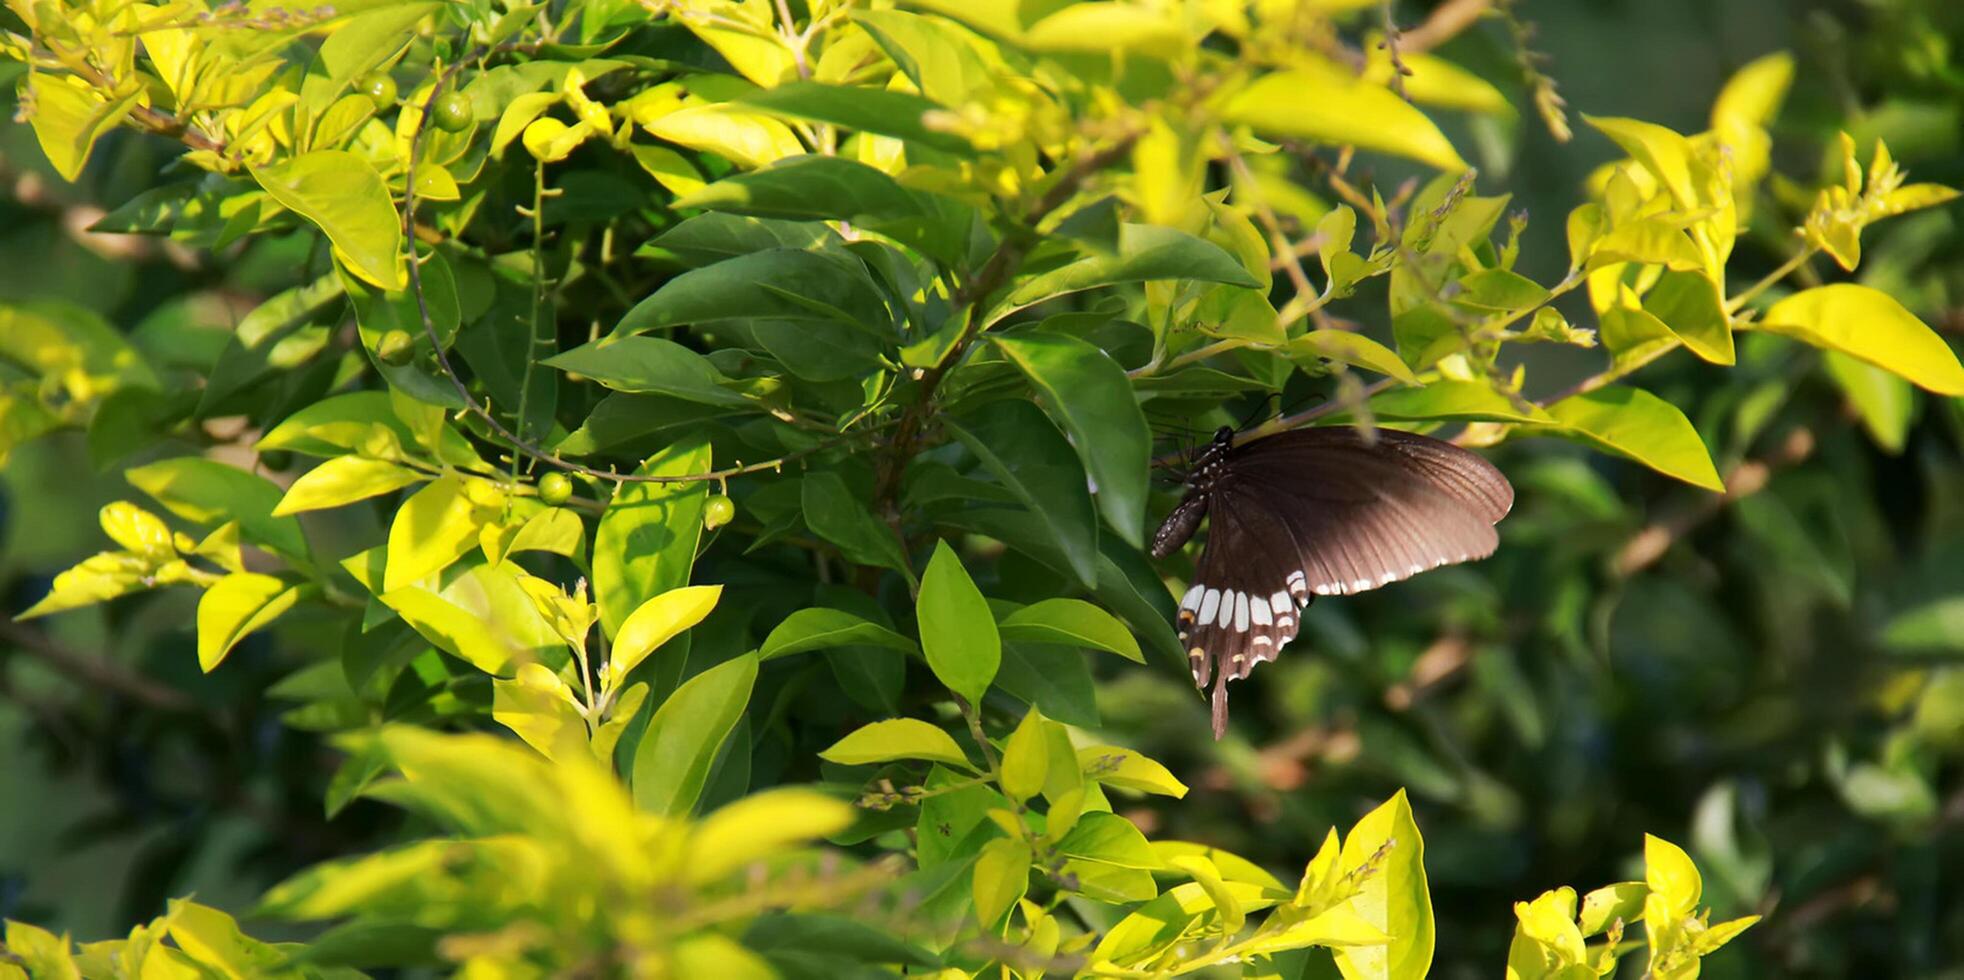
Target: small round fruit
{"points": [[453, 113], [395, 347], [276, 459], [555, 489], [378, 86], [717, 511]]}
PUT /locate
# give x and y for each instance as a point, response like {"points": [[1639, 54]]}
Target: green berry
{"points": [[453, 113], [378, 86], [555, 489], [276, 459], [717, 511], [395, 347]]}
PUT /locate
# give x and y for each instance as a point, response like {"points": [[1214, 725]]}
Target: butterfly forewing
{"points": [[1320, 512]]}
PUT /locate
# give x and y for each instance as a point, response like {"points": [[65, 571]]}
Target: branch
{"points": [[1447, 21], [1749, 477], [103, 673]]}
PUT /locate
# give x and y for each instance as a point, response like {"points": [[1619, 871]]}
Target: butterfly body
{"points": [[1320, 511]]}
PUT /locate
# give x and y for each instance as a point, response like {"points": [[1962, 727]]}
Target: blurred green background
{"points": [[1775, 681]]}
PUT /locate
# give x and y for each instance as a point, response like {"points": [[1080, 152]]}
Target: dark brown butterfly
{"points": [[1312, 512]]}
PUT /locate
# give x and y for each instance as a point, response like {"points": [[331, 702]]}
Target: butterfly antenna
{"points": [[1259, 408]]}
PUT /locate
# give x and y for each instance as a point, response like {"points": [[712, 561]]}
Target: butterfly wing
{"points": [[1247, 597], [1325, 512]]}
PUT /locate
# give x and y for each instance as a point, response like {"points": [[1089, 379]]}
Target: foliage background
{"points": [[1776, 687]]}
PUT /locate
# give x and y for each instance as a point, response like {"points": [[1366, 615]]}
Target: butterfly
{"points": [[1309, 512]]}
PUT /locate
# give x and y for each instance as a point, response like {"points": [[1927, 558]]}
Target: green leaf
{"points": [[898, 738], [1350, 348], [833, 934], [1869, 325], [436, 526], [1500, 290], [1073, 622], [69, 115], [1002, 876], [840, 516], [1020, 447], [649, 365], [1393, 897], [646, 542], [958, 633], [355, 46], [1145, 253], [1690, 305], [380, 313], [900, 115], [235, 606], [344, 480], [1161, 922], [343, 196], [938, 56], [1634, 423], [137, 531], [824, 187], [1346, 110], [213, 940], [682, 740], [209, 492], [336, 425], [1108, 838], [802, 286], [1089, 397], [707, 239], [820, 628], [1885, 402], [1937, 625]]}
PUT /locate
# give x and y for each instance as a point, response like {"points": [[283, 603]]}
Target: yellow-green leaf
{"points": [[659, 620], [1870, 325], [1663, 152], [958, 633], [69, 115], [1320, 101], [344, 480], [1392, 896], [1107, 28], [897, 738], [672, 762], [348, 201], [759, 826], [1351, 348], [1025, 758], [138, 531], [452, 628], [540, 709], [1671, 875], [1635, 423], [1002, 876], [435, 526], [235, 606], [1127, 769], [748, 139], [1071, 621]]}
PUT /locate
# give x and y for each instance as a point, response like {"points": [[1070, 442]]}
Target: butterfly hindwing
{"points": [[1320, 512]]}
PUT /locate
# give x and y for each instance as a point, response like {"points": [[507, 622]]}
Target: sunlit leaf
{"points": [[958, 633], [1870, 325]]}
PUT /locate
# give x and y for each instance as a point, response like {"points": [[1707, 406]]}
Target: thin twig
{"points": [[1447, 21]]}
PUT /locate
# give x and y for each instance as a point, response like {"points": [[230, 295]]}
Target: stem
{"points": [[538, 298], [1786, 269]]}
